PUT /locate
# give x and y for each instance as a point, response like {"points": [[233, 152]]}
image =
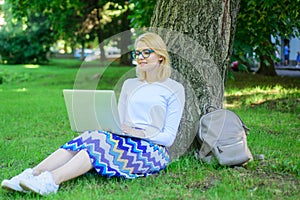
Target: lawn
{"points": [[34, 123]]}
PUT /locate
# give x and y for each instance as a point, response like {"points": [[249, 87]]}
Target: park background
{"points": [[38, 60]]}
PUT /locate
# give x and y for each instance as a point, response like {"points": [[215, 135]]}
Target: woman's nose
{"points": [[140, 56]]}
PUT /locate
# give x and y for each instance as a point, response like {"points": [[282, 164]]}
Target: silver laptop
{"points": [[92, 110]]}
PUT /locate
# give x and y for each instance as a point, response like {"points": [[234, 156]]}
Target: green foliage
{"points": [[141, 13], [77, 22], [258, 20], [34, 123], [65, 18], [25, 46]]}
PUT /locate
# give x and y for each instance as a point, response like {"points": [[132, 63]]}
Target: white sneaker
{"points": [[14, 182], [42, 184]]}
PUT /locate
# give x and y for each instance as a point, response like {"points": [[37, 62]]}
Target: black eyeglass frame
{"points": [[136, 53]]}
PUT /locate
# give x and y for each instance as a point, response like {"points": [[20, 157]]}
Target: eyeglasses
{"points": [[145, 53]]}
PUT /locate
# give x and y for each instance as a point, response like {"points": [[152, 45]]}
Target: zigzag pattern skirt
{"points": [[120, 156]]}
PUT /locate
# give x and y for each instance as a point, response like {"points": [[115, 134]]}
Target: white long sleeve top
{"points": [[155, 108]]}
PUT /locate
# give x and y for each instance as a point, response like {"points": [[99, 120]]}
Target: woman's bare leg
{"points": [[77, 166], [54, 161]]}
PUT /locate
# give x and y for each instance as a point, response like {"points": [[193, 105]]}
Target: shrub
{"points": [[31, 45]]}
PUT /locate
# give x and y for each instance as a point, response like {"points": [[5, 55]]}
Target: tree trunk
{"points": [[266, 66], [82, 50], [101, 45], [199, 36], [125, 38], [100, 37]]}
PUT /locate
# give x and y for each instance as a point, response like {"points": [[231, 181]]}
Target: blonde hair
{"points": [[155, 42]]}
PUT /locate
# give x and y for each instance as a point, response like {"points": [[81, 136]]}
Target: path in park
{"points": [[290, 71]]}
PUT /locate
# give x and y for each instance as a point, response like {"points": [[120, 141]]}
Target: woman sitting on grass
{"points": [[150, 109]]}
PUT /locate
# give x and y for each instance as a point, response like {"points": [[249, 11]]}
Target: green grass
{"points": [[34, 123]]}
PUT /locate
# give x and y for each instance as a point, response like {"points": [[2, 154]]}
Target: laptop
{"points": [[92, 110]]}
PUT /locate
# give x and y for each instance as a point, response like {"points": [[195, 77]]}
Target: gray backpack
{"points": [[223, 135]]}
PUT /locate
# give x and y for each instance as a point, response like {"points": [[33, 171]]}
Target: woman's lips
{"points": [[142, 63]]}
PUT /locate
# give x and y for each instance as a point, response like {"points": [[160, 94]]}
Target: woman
{"points": [[150, 109]]}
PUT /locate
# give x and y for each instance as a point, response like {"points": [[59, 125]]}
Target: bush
{"points": [[25, 46]]}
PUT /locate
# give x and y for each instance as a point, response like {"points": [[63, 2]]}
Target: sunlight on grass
{"points": [[32, 66], [21, 90], [258, 95], [277, 89]]}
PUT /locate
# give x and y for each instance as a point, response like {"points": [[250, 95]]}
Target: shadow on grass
{"points": [[288, 105], [284, 105]]}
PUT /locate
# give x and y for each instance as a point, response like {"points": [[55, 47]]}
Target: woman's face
{"points": [[150, 63]]}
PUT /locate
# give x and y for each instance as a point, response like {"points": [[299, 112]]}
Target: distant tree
{"points": [[73, 23], [258, 20], [125, 41], [76, 21], [121, 24], [30, 45], [69, 20]]}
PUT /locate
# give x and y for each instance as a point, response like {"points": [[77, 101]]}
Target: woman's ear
{"points": [[161, 59]]}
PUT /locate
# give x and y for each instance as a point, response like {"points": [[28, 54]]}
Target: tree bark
{"points": [[199, 36]]}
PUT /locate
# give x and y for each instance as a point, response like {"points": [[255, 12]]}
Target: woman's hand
{"points": [[132, 131]]}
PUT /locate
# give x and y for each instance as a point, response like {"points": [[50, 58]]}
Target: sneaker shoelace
{"points": [[47, 183], [24, 175]]}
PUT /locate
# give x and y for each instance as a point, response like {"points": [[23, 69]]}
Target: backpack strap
{"points": [[212, 133], [205, 152], [207, 109]]}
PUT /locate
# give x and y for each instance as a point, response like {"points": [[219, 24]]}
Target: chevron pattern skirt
{"points": [[120, 156]]}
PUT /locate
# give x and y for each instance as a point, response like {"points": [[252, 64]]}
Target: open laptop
{"points": [[92, 110]]}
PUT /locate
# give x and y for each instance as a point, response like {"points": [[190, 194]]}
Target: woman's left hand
{"points": [[132, 131]]}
